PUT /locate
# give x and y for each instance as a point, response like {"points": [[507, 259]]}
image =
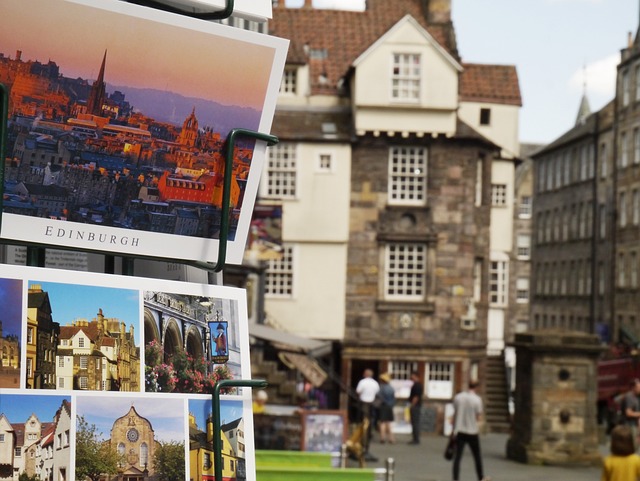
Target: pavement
{"points": [[425, 461]]}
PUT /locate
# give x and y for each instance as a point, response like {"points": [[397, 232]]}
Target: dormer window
{"points": [[405, 77], [485, 116], [289, 83]]}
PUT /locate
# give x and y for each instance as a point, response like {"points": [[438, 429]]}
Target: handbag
{"points": [[450, 449]]}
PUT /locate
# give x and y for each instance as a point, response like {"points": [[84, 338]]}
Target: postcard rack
{"points": [[36, 252]]}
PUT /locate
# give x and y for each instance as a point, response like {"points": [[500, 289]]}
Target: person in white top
{"points": [[367, 390], [468, 411]]}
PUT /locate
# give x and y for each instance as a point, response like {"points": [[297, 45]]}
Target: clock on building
{"points": [[132, 435]]}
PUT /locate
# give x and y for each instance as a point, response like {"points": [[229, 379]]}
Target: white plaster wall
{"points": [[504, 126], [317, 308], [502, 172], [320, 212]]}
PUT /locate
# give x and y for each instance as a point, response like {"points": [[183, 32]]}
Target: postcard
{"points": [[121, 369], [117, 126]]}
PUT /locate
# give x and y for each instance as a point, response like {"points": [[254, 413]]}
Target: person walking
{"points": [[623, 464], [467, 412], [387, 397], [367, 390], [415, 406], [630, 408]]}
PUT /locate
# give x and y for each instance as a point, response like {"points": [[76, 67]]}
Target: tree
{"points": [[168, 461], [25, 477], [94, 456]]}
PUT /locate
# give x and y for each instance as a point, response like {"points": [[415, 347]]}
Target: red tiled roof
{"points": [[490, 83], [67, 332], [341, 36]]}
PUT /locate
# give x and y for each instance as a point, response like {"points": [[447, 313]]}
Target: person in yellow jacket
{"points": [[623, 464]]}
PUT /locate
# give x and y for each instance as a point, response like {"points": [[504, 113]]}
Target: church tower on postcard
{"points": [[98, 91]]}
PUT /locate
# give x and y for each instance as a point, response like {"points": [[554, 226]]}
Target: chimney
{"points": [[308, 4], [438, 11]]}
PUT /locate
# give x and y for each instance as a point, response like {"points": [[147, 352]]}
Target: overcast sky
{"points": [[556, 46]]}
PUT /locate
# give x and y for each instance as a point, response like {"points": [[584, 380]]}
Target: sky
{"points": [[11, 302], [18, 407], [166, 417], [552, 43], [74, 301], [140, 52]]}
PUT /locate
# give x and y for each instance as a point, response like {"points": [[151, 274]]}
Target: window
{"points": [[280, 174], [83, 382], [637, 96], [636, 146], [402, 369], [405, 77], [603, 221], [635, 208], [439, 380], [498, 194], [121, 449], [498, 283], [289, 83], [29, 367], [485, 116], [325, 162], [61, 361], [524, 211], [207, 461], [621, 271], [18, 452], [625, 88], [523, 246], [477, 279], [81, 342], [405, 271], [601, 279], [84, 362], [144, 454], [1, 438], [522, 290], [624, 150], [633, 270], [407, 176], [623, 209], [61, 382], [279, 275], [30, 339], [603, 160]]}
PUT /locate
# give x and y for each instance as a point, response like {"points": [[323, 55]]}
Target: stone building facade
{"points": [[133, 437]]}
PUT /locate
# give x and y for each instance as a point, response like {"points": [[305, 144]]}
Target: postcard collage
{"points": [[117, 119]]}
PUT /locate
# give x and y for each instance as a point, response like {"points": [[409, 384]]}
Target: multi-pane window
{"points": [[61, 383], [289, 81], [603, 221], [479, 182], [622, 275], [405, 77], [81, 342], [523, 244], [30, 339], [498, 194], [83, 362], [498, 283], [624, 149], [325, 162], [603, 160], [29, 367], [402, 369], [83, 382], [522, 289], [439, 379], [280, 174], [279, 274], [524, 211], [61, 361], [405, 271], [407, 176], [477, 279], [626, 86], [623, 209]]}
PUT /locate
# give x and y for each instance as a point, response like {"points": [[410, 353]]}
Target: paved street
{"points": [[425, 462]]}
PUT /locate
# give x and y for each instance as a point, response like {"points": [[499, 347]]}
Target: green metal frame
{"points": [[217, 15], [215, 408]]}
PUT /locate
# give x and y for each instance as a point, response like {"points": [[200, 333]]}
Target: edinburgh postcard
{"points": [[118, 117]]}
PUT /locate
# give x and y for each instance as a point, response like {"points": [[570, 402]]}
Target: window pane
{"points": [[405, 271], [407, 175]]}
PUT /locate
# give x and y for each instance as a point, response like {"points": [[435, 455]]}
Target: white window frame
{"points": [[289, 82], [439, 380], [280, 178], [525, 208], [523, 246], [407, 175], [325, 162], [280, 274], [406, 74], [401, 370], [479, 173], [499, 195], [522, 290], [626, 88], [498, 282], [405, 271], [622, 206]]}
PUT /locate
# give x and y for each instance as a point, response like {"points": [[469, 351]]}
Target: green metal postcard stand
{"points": [[217, 15], [215, 407]]}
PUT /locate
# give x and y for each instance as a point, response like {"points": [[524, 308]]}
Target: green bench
{"points": [[274, 465]]}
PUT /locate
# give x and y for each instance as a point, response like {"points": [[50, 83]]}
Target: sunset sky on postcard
{"points": [[140, 52]]}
